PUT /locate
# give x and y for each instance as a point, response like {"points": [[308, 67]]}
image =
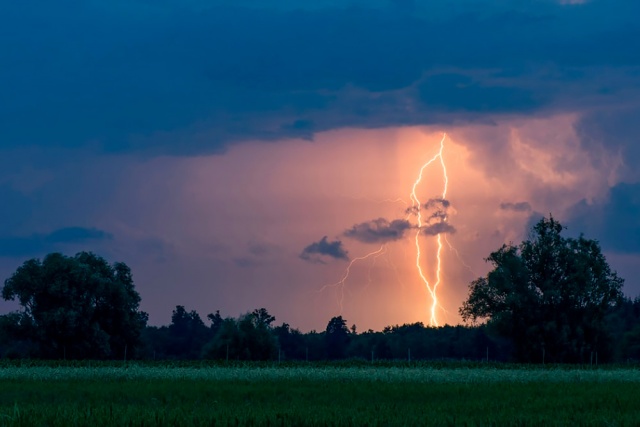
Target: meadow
{"points": [[108, 394]]}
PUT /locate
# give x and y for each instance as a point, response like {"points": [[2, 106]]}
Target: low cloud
{"points": [[436, 221], [379, 230], [77, 234], [438, 228], [434, 203], [324, 248], [256, 254], [40, 244], [516, 207], [439, 204]]}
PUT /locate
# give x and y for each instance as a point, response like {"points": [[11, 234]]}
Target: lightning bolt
{"points": [[341, 283], [376, 255], [416, 206], [462, 261]]}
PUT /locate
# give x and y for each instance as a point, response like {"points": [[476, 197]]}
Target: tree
{"points": [[548, 295], [337, 338], [258, 343], [290, 341], [187, 334], [262, 317], [247, 338], [75, 307], [216, 321]]}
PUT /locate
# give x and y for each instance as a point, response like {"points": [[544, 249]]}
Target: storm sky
{"points": [[240, 154]]}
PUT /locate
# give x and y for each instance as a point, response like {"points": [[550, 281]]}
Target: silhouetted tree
{"points": [[226, 344], [291, 342], [248, 338], [623, 326], [216, 321], [187, 334], [548, 295], [315, 345], [262, 317], [74, 307], [336, 338]]}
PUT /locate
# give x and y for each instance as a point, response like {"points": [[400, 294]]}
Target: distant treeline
{"points": [[254, 336], [549, 299]]}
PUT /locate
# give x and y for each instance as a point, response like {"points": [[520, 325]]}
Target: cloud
{"points": [[435, 220], [378, 230], [438, 228], [316, 250], [257, 253], [458, 92], [615, 222], [433, 203], [617, 131], [516, 207], [77, 235], [40, 244], [155, 78]]}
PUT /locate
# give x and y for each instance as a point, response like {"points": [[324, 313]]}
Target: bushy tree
{"points": [[548, 295], [74, 307]]}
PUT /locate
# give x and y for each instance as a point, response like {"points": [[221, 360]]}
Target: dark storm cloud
{"points": [[615, 222], [516, 207], [379, 230], [617, 130], [323, 248], [186, 77], [457, 92], [77, 234], [37, 244]]}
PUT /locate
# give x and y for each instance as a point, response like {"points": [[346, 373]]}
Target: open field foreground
{"points": [[318, 396]]}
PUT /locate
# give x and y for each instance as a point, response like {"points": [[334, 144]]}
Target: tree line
{"points": [[550, 299]]}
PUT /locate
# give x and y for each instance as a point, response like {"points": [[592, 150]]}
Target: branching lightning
{"points": [[340, 284], [422, 226], [417, 208], [462, 261]]}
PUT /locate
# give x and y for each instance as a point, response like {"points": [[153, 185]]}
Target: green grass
{"points": [[263, 395]]}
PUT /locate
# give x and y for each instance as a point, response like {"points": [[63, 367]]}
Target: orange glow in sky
{"points": [[290, 194]]}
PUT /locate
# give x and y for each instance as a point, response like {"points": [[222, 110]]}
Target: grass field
{"points": [[142, 395]]}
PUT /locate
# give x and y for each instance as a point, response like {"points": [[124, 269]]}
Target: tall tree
{"points": [[549, 295], [75, 307], [337, 338]]}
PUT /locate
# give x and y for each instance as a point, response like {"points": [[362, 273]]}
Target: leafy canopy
{"points": [[548, 295], [75, 307]]}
